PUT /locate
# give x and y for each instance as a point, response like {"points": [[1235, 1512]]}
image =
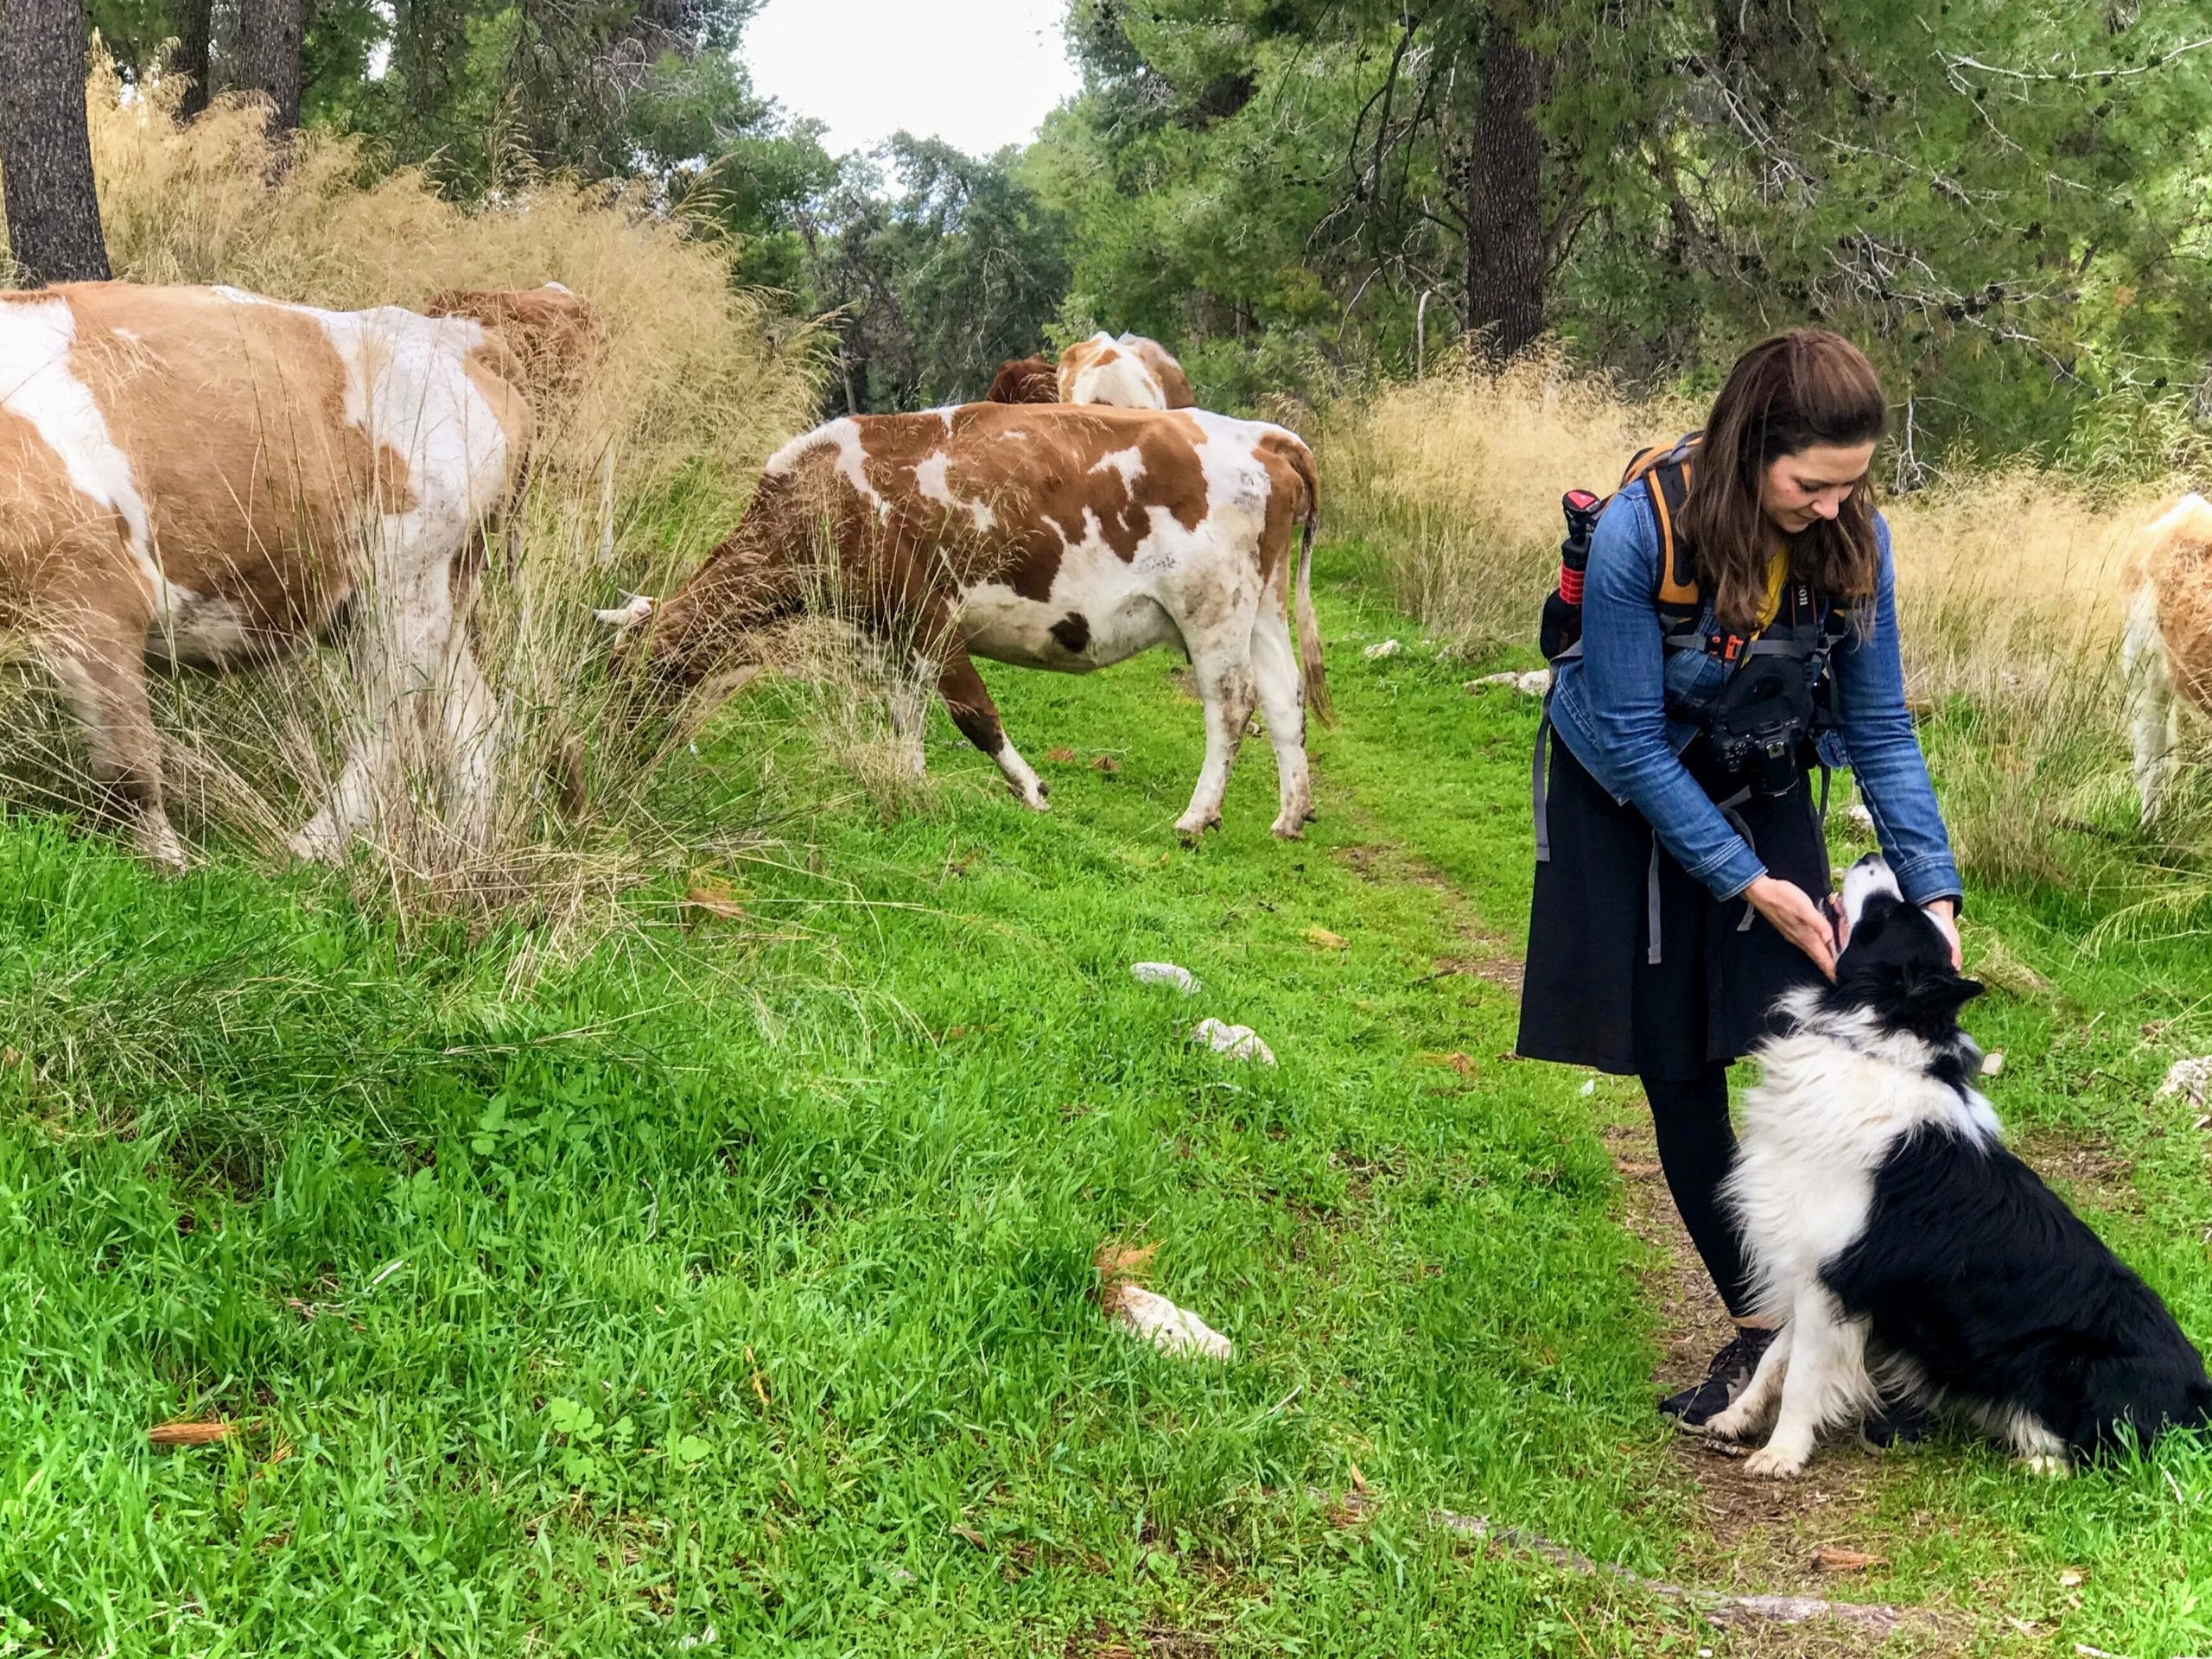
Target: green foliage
{"points": [[939, 282], [2007, 204], [2010, 205]]}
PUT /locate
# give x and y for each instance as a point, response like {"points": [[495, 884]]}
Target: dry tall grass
{"points": [[1455, 479], [2012, 590], [688, 393]]}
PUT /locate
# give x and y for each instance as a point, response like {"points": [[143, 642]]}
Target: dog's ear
{"points": [[1935, 994]]}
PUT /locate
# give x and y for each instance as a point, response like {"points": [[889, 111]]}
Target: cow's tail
{"points": [[1312, 673]]}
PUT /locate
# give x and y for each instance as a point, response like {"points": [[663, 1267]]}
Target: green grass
{"points": [[738, 1276]]}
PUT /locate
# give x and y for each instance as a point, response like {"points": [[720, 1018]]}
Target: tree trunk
{"points": [[268, 49], [195, 60], [1504, 196], [429, 49], [46, 146]]}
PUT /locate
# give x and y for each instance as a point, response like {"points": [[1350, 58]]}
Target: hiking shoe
{"points": [[1724, 1379], [1901, 1421]]}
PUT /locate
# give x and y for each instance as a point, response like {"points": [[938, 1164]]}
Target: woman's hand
{"points": [[1944, 912], [1797, 918]]}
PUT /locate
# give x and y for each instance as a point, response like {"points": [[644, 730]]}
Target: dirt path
{"points": [[1756, 1536]]}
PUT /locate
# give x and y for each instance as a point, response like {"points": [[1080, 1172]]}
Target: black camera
{"points": [[1761, 725], [1766, 757]]}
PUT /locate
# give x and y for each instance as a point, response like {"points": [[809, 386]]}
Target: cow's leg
{"points": [[100, 662], [910, 710], [1221, 661], [408, 636], [907, 676], [1274, 668], [472, 736], [977, 717], [2153, 711], [469, 713]]}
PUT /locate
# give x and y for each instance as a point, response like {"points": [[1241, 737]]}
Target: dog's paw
{"points": [[2043, 1463], [1771, 1465], [1733, 1423]]}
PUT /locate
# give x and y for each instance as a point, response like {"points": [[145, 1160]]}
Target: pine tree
{"points": [[45, 148]]}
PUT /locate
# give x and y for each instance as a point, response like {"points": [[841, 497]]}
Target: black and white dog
{"points": [[1892, 1236]]}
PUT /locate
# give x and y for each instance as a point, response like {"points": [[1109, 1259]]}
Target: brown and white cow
{"points": [[1131, 372], [2167, 652], [1025, 380], [204, 476], [1059, 537]]}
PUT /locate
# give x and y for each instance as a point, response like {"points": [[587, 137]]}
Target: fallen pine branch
{"points": [[1720, 1608]]}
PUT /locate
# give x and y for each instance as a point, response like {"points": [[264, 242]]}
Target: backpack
{"points": [[1666, 471], [1764, 726]]}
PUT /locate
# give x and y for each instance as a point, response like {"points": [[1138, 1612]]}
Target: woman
{"points": [[1685, 882]]}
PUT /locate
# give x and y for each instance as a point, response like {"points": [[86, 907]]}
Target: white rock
{"points": [[1859, 815], [1382, 648], [1992, 1062], [1165, 973], [1589, 1088], [1533, 684], [1170, 1329], [2190, 1079], [1238, 1042]]}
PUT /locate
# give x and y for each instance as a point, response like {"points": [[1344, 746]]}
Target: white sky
{"points": [[978, 73]]}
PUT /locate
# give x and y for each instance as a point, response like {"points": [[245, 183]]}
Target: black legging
{"points": [[1697, 1144]]}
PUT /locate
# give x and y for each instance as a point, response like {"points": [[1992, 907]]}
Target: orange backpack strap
{"points": [[1666, 474]]}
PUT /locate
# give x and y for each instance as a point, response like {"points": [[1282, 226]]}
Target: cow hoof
{"points": [[158, 846], [316, 845], [1193, 830], [1288, 829]]}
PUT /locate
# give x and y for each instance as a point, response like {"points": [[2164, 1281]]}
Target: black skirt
{"points": [[1592, 994]]}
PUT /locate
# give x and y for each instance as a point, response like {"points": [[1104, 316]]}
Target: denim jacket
{"points": [[1627, 707]]}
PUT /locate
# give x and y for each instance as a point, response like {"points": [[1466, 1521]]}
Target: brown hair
{"points": [[1785, 395]]}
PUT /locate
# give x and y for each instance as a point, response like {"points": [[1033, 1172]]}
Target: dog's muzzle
{"points": [[1869, 876]]}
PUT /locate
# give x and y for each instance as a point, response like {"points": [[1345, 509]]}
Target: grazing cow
{"points": [[552, 332], [2167, 653], [202, 476], [1050, 537], [1131, 373], [1025, 380]]}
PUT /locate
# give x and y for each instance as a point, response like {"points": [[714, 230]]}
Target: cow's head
{"points": [[1025, 380]]}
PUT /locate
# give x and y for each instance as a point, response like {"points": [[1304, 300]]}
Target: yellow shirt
{"points": [[1777, 577]]}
